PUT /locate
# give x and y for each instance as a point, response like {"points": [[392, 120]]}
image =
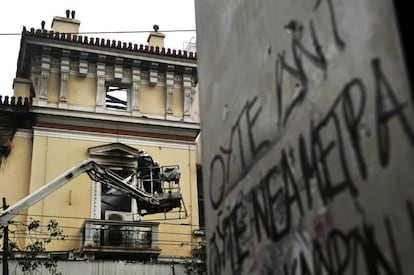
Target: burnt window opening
{"points": [[113, 199], [116, 97], [121, 160]]}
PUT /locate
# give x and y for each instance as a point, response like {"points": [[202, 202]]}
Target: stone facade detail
{"points": [[54, 65], [136, 83], [92, 69], [161, 78], [145, 76], [35, 74], [64, 77], [44, 76], [169, 85], [118, 72], [178, 79], [36, 61], [109, 72], [100, 85], [127, 73], [74, 67], [83, 68], [153, 77], [188, 91]]}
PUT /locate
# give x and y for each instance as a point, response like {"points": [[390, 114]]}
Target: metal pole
{"points": [[172, 269], [5, 243]]}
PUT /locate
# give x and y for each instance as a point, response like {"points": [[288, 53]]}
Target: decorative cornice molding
{"points": [[24, 133], [105, 137], [120, 117], [83, 68], [118, 72]]}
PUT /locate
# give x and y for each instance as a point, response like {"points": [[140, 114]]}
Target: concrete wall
{"points": [[308, 137]]}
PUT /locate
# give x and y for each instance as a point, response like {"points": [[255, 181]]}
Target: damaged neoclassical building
{"points": [[124, 107]]}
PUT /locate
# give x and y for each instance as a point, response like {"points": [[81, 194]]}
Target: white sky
{"points": [[95, 16]]}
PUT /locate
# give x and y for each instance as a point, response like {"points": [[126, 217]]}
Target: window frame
{"points": [[120, 86]]}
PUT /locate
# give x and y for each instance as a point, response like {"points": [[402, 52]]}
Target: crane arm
{"points": [[96, 172], [104, 175], [44, 191]]}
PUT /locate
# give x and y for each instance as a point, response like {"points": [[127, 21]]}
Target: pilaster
{"points": [[187, 86], [44, 79], [136, 85], [169, 86], [64, 77], [100, 86]]}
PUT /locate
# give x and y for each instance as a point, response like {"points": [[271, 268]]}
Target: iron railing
{"points": [[116, 234]]}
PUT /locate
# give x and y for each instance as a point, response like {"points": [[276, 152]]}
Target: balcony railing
{"points": [[130, 240]]}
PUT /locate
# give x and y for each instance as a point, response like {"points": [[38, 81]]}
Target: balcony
{"points": [[120, 240]]}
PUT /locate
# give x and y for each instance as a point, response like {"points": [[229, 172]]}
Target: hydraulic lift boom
{"points": [[151, 203]]}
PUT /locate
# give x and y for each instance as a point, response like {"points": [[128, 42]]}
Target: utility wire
{"points": [[23, 227], [163, 243], [24, 231], [105, 32], [144, 220]]}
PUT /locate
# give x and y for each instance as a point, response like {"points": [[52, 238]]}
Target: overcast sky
{"points": [[95, 16]]}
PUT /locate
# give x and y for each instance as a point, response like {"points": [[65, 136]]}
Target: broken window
{"points": [[121, 160], [116, 97], [113, 199]]}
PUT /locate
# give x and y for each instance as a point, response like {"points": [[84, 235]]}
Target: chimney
{"points": [[156, 38], [66, 24]]}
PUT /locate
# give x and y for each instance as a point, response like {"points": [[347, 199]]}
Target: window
{"points": [[121, 159], [116, 97], [113, 199]]}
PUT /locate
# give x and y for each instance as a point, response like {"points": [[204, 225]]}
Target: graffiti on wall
{"points": [[283, 223]]}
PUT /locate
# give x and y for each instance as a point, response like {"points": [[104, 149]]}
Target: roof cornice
{"points": [[76, 39]]}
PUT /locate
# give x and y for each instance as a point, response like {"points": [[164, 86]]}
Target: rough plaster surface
{"points": [[307, 137]]}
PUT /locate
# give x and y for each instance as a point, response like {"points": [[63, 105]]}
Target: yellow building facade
{"points": [[109, 101]]}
